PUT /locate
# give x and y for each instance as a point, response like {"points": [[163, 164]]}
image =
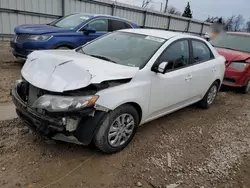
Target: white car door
{"points": [[170, 91], [203, 69]]}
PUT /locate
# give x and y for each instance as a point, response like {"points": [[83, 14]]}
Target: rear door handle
{"points": [[188, 78], [214, 69]]}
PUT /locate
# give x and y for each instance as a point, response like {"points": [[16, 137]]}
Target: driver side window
{"points": [[177, 55], [99, 25]]}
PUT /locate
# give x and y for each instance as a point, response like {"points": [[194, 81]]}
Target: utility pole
{"points": [[161, 8], [166, 6]]}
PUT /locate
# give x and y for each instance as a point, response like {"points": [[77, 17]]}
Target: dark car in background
{"points": [[235, 47], [66, 33]]}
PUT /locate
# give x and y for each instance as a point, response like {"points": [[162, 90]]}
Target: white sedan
{"points": [[104, 90]]}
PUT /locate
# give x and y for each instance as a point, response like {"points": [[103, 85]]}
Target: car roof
{"points": [[239, 33], [157, 33], [102, 15]]}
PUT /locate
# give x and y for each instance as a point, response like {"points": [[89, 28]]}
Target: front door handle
{"points": [[188, 78]]}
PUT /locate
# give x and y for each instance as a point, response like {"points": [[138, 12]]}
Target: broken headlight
{"points": [[54, 103]]}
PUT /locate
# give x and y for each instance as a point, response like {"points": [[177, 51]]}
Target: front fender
{"points": [[57, 45], [135, 92]]}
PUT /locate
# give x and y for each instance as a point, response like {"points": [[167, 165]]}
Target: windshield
{"points": [[71, 21], [232, 41], [124, 48]]}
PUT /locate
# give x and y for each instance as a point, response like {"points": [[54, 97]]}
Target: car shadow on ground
{"points": [[230, 89]]}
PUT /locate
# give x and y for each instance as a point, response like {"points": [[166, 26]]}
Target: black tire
{"points": [[204, 102], [63, 48], [245, 89], [101, 136]]}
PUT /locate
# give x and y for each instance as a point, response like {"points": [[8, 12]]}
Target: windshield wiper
{"points": [[103, 57], [82, 50]]}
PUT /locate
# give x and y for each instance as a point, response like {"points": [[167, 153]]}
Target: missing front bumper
{"points": [[55, 128], [36, 121]]}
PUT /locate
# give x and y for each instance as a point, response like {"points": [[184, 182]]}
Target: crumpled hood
{"points": [[233, 55], [64, 70], [38, 29]]}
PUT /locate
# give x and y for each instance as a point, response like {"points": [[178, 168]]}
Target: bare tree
{"points": [[211, 19], [173, 10], [166, 6], [248, 26], [238, 22], [229, 23], [233, 23], [145, 3]]}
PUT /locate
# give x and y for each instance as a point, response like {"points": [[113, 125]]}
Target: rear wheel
{"points": [[245, 89], [117, 129], [210, 96]]}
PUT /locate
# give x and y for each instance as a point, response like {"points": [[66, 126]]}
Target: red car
{"points": [[235, 47]]}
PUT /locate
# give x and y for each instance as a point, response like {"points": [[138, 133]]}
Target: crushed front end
{"points": [[62, 119]]}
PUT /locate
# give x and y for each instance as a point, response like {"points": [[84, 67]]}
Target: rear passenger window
{"points": [[117, 25], [128, 26], [99, 25], [201, 52]]}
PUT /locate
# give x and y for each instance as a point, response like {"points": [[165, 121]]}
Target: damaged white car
{"points": [[103, 90]]}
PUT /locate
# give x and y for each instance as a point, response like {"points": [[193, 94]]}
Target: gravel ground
{"points": [[9, 71], [189, 148]]}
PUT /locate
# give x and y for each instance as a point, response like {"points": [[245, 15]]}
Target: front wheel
{"points": [[63, 48], [117, 129], [210, 96]]}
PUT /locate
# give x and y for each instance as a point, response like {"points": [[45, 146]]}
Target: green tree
{"points": [[187, 12]]}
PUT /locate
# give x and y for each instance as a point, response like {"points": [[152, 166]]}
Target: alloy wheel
{"points": [[212, 94], [121, 130]]}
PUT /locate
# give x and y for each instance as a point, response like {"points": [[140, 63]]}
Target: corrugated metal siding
{"points": [[9, 21], [206, 28], [178, 25], [194, 27], [156, 21], [53, 7], [136, 17], [72, 6], [44, 11]]}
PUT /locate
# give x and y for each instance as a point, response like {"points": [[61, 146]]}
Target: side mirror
{"points": [[89, 30], [161, 68]]}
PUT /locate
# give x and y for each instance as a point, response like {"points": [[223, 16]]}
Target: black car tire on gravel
{"points": [[204, 102], [101, 137], [245, 89]]}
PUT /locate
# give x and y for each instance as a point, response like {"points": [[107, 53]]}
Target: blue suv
{"points": [[66, 33]]}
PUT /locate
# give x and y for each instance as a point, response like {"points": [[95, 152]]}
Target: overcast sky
{"points": [[203, 8]]}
